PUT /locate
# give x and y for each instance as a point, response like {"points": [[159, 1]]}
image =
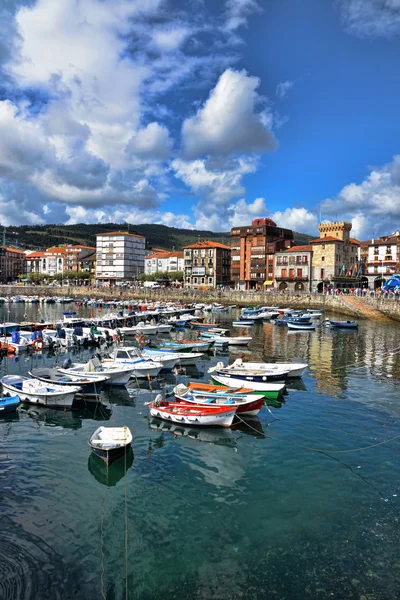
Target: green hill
{"points": [[39, 237]]}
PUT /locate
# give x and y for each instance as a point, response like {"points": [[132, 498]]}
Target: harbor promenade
{"points": [[368, 307]]}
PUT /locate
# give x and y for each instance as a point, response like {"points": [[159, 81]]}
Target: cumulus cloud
{"points": [[373, 204], [283, 88], [298, 219], [243, 212], [228, 123], [366, 18], [152, 141], [83, 133]]}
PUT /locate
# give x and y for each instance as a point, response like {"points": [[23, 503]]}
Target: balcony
{"points": [[291, 278]]}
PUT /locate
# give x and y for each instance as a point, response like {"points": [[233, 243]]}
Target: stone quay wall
{"points": [[385, 306]]}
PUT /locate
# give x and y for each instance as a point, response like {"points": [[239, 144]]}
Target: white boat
{"points": [[110, 443], [230, 341], [142, 363], [118, 374], [245, 404], [294, 369], [301, 326], [185, 359], [264, 386], [163, 328], [35, 391], [243, 323]]}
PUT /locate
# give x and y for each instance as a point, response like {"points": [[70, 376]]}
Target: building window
{"points": [[299, 272], [210, 280], [283, 273], [195, 280], [202, 280], [291, 272], [323, 258], [322, 273], [323, 245]]}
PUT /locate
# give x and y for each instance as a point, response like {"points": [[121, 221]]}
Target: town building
{"points": [[87, 262], [380, 258], [293, 269], [207, 264], [253, 250], [335, 257], [12, 264], [163, 261], [57, 260], [120, 257]]}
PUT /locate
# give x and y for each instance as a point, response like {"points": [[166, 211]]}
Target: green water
{"points": [[217, 514]]}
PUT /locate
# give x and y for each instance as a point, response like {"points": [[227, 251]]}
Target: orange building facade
{"points": [[253, 250]]}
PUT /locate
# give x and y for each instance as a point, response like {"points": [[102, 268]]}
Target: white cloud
{"points": [[366, 18], [243, 212], [373, 204], [283, 88], [237, 13], [228, 123], [298, 219], [151, 142], [170, 38], [79, 214]]}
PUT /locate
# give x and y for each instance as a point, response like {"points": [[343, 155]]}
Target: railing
{"points": [[291, 278]]}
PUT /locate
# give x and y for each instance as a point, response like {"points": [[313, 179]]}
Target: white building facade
{"points": [[163, 262], [120, 257]]}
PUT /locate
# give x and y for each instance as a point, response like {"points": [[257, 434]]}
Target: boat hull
{"points": [[270, 390], [191, 416]]}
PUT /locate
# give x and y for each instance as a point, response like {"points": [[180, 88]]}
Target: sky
{"points": [[201, 113]]}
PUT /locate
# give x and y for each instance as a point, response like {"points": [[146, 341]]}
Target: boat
{"points": [[243, 323], [270, 390], [301, 326], [35, 391], [245, 404], [90, 386], [110, 443], [280, 323], [225, 340], [117, 374], [9, 404], [185, 359], [129, 355], [187, 414], [342, 324], [199, 325], [294, 369]]}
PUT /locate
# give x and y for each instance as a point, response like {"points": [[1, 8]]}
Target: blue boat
{"points": [[342, 324], [8, 404], [281, 323]]}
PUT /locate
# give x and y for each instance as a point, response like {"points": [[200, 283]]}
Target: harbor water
{"points": [[301, 502]]}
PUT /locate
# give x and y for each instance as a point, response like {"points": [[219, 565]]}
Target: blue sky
{"points": [[200, 114]]}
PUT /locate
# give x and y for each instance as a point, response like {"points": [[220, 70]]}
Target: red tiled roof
{"points": [[165, 254], [328, 238], [299, 249], [208, 244], [354, 241], [33, 255], [13, 250]]}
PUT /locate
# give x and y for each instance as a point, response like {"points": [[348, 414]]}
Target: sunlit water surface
{"points": [[303, 503]]}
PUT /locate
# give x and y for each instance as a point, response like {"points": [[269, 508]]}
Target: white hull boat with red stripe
{"points": [[188, 414]]}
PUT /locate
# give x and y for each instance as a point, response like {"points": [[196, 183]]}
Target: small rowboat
{"points": [[9, 404], [187, 414], [301, 326], [270, 390], [90, 387], [110, 443], [342, 324], [245, 404], [198, 325]]}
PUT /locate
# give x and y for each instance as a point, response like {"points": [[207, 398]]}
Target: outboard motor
{"points": [[67, 363]]}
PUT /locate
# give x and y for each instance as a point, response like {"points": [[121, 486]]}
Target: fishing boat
{"points": [[280, 323], [136, 357], [243, 323], [187, 359], [301, 326], [110, 443], [187, 414], [90, 386], [8, 404], [35, 391], [342, 324], [245, 404], [186, 345], [199, 325], [241, 371], [235, 379], [294, 369], [117, 374]]}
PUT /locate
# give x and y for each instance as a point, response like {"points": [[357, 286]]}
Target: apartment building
{"points": [[12, 264], [380, 258], [59, 259], [293, 269], [163, 261], [120, 256], [335, 257], [253, 250], [207, 264]]}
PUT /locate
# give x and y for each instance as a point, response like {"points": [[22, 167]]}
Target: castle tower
{"points": [[338, 230]]}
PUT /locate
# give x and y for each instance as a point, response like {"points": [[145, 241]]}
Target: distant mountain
{"points": [[38, 237]]}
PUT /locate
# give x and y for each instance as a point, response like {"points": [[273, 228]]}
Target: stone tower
{"points": [[338, 230]]}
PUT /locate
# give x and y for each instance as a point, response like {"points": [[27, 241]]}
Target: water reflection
{"points": [[110, 475], [67, 419], [211, 435]]}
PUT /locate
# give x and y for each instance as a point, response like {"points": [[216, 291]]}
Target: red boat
{"points": [[189, 414], [248, 404]]}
